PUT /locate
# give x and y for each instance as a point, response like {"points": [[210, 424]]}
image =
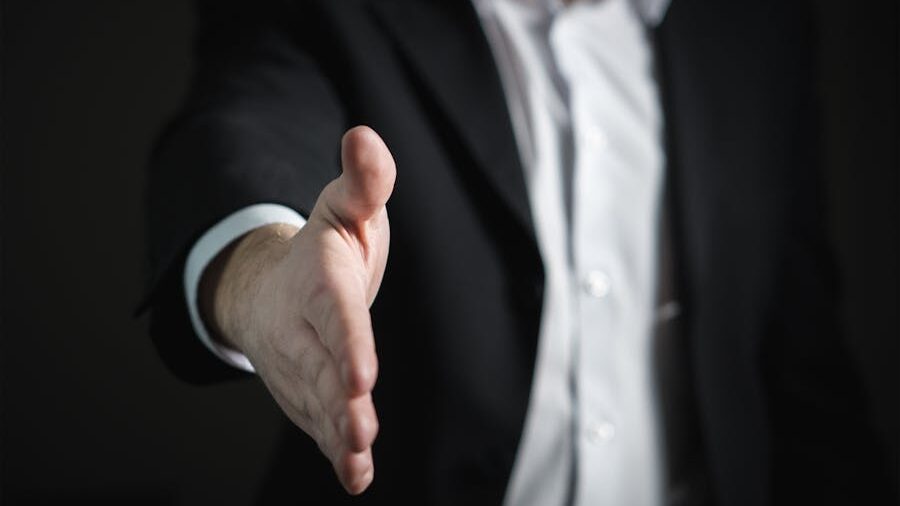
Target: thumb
{"points": [[367, 179]]}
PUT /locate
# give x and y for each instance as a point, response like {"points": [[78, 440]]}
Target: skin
{"points": [[296, 303]]}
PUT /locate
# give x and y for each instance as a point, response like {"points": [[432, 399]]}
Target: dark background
{"points": [[87, 410]]}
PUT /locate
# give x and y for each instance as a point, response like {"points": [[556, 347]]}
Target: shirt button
{"points": [[600, 432], [597, 284], [596, 138]]}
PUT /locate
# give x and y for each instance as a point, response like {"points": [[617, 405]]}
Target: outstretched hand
{"points": [[296, 303]]}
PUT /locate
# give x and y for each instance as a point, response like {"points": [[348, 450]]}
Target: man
{"points": [[531, 348]]}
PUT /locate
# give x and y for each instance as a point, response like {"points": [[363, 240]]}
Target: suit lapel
{"points": [[444, 43], [715, 93]]}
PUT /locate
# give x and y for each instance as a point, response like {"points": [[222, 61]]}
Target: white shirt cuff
{"points": [[209, 245]]}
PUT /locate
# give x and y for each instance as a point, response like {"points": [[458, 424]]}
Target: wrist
{"points": [[234, 280]]}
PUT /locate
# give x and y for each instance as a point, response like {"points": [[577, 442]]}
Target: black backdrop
{"points": [[86, 409]]}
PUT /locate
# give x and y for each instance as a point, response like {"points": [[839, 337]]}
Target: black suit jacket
{"points": [[456, 321]]}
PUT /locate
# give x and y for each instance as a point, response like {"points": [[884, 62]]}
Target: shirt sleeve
{"points": [[208, 246]]}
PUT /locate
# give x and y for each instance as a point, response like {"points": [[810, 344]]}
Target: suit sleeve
{"points": [[261, 124]]}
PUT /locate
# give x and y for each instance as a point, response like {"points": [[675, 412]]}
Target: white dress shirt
{"points": [[581, 90]]}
